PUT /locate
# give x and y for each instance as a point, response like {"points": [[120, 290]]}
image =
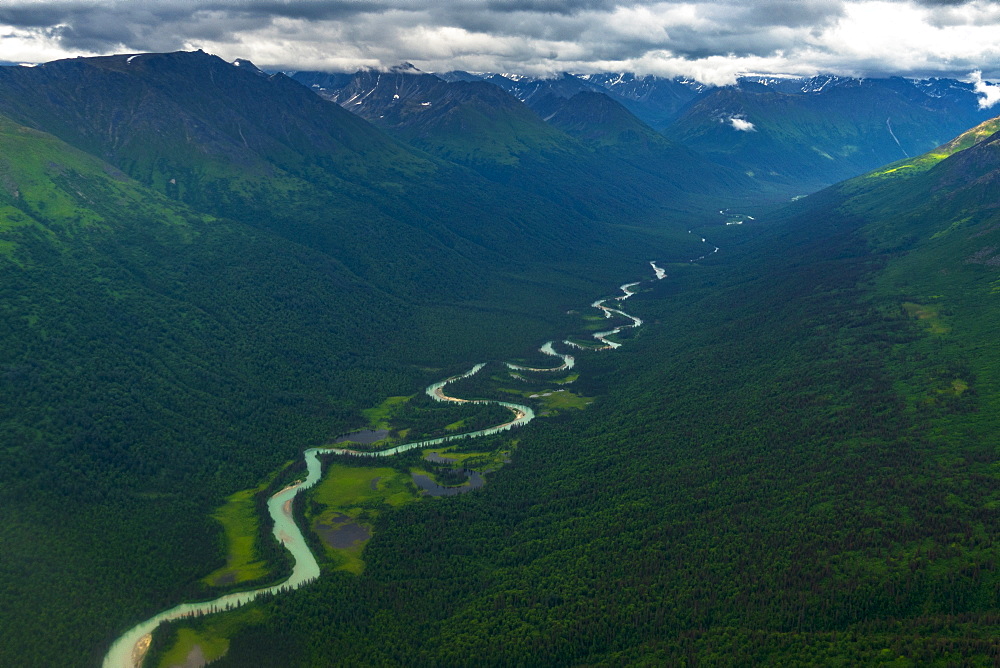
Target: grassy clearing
{"points": [[346, 487], [930, 314], [476, 461], [352, 494], [565, 400], [455, 426], [241, 524], [211, 633], [594, 322], [552, 400], [378, 417], [517, 392], [211, 647], [597, 326]]}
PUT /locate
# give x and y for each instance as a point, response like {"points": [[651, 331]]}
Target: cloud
{"points": [[990, 92], [742, 124], [712, 40], [565, 7]]}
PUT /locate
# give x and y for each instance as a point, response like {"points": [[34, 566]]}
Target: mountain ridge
{"points": [[205, 268], [511, 142]]}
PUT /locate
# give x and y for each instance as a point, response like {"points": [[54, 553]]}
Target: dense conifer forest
{"points": [[792, 463], [791, 460]]}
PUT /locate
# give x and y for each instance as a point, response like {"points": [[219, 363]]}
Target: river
{"points": [[129, 650]]}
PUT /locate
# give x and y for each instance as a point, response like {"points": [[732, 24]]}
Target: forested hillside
{"points": [[267, 152], [206, 270], [223, 270], [794, 462]]}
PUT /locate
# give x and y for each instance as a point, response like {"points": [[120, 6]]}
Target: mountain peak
{"points": [[245, 64], [405, 68]]}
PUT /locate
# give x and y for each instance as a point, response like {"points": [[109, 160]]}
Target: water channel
{"points": [[129, 650]]}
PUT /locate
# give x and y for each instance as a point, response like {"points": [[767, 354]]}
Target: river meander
{"points": [[130, 649]]}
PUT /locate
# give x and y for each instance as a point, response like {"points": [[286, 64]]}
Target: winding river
{"points": [[547, 349], [130, 649]]}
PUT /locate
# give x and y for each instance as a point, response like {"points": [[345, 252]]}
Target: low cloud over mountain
{"points": [[712, 40]]}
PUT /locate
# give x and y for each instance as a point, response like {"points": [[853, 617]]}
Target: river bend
{"points": [[129, 650]]}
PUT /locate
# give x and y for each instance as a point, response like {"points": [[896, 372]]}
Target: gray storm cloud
{"points": [[711, 39]]}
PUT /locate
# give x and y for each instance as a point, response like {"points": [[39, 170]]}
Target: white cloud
{"points": [[20, 45], [742, 124], [710, 40], [990, 92]]}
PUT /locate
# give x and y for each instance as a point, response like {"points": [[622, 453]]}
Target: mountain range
{"points": [[207, 268], [784, 133], [482, 126]]}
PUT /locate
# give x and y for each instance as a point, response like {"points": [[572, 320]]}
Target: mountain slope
{"points": [[277, 266], [816, 132], [617, 136], [468, 122], [151, 359], [596, 119], [269, 152], [655, 100], [531, 90], [796, 464], [480, 126]]}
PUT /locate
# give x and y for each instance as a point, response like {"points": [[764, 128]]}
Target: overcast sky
{"points": [[711, 40]]}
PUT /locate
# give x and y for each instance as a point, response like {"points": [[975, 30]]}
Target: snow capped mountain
{"points": [[818, 84], [371, 93], [636, 87], [823, 129], [459, 75], [760, 124], [940, 88], [655, 100]]}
